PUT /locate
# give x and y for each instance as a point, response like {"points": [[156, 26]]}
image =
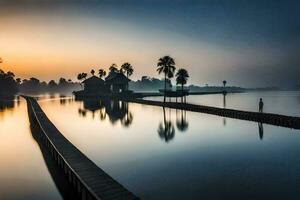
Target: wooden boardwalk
{"points": [[157, 94], [87, 178], [266, 118]]}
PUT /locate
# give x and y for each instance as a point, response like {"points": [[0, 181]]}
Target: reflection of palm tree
{"points": [[182, 124], [166, 65], [127, 120], [166, 129], [82, 112], [102, 114]]}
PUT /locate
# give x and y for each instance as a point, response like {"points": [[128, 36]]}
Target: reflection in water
{"points": [[199, 157], [7, 103], [63, 99], [119, 111], [166, 129], [114, 109], [260, 130], [181, 122], [224, 106], [60, 179]]}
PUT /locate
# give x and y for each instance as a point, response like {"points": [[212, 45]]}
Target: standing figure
{"points": [[261, 105]]}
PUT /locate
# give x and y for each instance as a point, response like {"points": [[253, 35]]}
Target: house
{"points": [[116, 82], [94, 85]]}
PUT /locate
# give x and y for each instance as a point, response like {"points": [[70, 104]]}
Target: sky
{"points": [[248, 43]]}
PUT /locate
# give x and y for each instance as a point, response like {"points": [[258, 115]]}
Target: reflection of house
{"points": [[116, 110], [116, 82], [94, 85]]}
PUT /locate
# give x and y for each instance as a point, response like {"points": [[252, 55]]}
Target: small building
{"points": [[94, 85], [116, 82]]}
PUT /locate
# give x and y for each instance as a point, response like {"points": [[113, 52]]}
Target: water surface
{"points": [[23, 172], [172, 154], [280, 102]]}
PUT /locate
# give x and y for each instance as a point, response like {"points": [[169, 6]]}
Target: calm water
{"points": [[23, 172], [287, 103], [172, 154]]}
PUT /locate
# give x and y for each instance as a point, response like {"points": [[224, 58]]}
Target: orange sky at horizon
{"points": [[47, 45], [30, 50]]}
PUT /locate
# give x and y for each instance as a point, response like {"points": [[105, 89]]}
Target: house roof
{"points": [[93, 80], [116, 77]]}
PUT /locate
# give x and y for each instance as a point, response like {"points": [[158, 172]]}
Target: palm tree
{"points": [[102, 73], [113, 68], [84, 75], [224, 83], [81, 76], [181, 78], [18, 80], [128, 69], [166, 65], [93, 72]]}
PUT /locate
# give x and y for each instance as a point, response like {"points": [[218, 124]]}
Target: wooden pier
{"points": [[265, 118], [86, 177]]}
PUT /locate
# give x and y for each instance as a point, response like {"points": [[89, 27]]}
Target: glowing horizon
{"points": [[49, 42]]}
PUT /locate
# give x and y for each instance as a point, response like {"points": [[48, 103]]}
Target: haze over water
{"points": [[248, 43], [203, 156], [23, 172], [229, 46]]}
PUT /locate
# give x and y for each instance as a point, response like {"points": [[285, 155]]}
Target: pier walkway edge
{"points": [[90, 181]]}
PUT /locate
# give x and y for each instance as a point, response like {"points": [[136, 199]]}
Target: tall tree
{"points": [[18, 80], [92, 72], [166, 65], [113, 68], [81, 76], [102, 73], [181, 78], [84, 75], [52, 84], [224, 83], [128, 69]]}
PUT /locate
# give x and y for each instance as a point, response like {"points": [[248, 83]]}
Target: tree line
{"points": [[165, 66]]}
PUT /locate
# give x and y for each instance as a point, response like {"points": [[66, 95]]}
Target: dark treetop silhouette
{"points": [[128, 69], [101, 73], [166, 65], [181, 78]]}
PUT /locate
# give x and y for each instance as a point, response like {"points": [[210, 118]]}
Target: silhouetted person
{"points": [[261, 105]]}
